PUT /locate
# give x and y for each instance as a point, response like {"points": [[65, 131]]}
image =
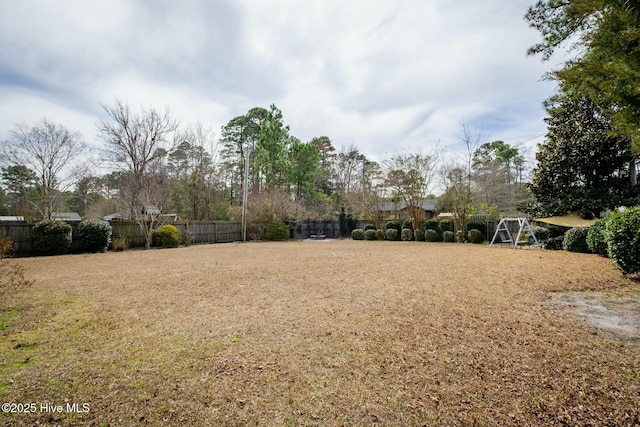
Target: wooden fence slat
{"points": [[21, 233]]}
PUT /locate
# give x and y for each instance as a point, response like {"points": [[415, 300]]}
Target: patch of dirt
{"points": [[615, 312]]}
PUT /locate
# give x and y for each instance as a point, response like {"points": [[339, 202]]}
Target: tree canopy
{"points": [[581, 166], [606, 40]]}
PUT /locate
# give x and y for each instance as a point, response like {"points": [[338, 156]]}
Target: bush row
{"points": [[617, 237], [431, 230], [55, 237]]}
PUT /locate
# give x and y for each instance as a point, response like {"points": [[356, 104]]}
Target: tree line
{"points": [[157, 167]]}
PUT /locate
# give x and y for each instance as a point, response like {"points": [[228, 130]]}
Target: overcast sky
{"points": [[386, 76]]}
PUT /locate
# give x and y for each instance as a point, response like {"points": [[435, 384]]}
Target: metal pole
{"points": [[245, 194]]}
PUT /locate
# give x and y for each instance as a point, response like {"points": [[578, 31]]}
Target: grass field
{"points": [[316, 333]]}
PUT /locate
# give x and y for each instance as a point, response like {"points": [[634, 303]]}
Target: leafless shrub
{"points": [[269, 206], [12, 279]]}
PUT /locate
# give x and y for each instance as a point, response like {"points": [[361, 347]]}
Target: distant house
{"points": [[150, 210], [12, 218], [112, 216], [65, 216], [399, 211]]}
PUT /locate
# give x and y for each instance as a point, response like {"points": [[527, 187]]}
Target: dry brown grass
{"points": [[318, 333]]}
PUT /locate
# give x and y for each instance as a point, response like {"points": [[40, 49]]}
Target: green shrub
{"points": [[446, 225], [431, 235], [369, 227], [622, 235], [94, 235], [432, 224], [380, 234], [542, 233], [407, 224], [475, 236], [167, 236], [461, 237], [596, 240], [357, 234], [52, 237], [407, 234], [419, 235], [575, 240], [276, 230], [476, 225], [370, 234], [392, 234], [448, 236], [396, 225]]}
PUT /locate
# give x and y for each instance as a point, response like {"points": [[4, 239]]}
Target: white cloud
{"points": [[380, 75]]}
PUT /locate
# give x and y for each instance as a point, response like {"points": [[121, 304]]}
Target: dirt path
{"points": [[618, 312]]}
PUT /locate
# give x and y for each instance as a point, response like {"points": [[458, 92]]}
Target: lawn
{"points": [[316, 333]]}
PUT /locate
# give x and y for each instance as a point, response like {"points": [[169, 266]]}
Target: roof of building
{"points": [[427, 205], [66, 216], [11, 218]]}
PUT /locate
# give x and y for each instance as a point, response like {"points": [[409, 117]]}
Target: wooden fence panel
{"points": [[21, 233], [130, 230], [228, 231], [202, 232]]}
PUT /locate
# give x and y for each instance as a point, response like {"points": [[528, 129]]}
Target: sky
{"points": [[386, 76]]}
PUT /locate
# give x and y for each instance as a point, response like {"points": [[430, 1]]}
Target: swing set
{"points": [[503, 234]]}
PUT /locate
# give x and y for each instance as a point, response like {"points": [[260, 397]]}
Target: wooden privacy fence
{"points": [[329, 228], [21, 233]]}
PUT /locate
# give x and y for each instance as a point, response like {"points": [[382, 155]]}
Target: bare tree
{"points": [[409, 177], [348, 163], [458, 197], [137, 143], [48, 150]]}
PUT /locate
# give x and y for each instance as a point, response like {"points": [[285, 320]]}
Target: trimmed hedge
{"points": [[167, 236], [407, 234], [419, 235], [380, 234], [94, 235], [396, 225], [431, 235], [542, 233], [52, 237], [446, 225], [369, 227], [448, 236], [407, 224], [475, 236], [623, 239], [461, 236], [357, 234], [596, 239], [575, 240], [476, 225], [370, 234], [392, 234]]}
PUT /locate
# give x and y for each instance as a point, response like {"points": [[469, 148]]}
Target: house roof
{"points": [[11, 218], [66, 216], [427, 205], [109, 217]]}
